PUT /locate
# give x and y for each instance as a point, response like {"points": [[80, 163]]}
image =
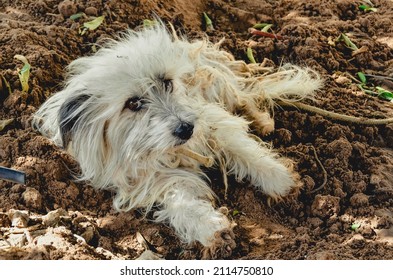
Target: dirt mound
{"points": [[345, 210]]}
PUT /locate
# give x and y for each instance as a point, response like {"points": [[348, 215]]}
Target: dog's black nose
{"points": [[184, 131]]}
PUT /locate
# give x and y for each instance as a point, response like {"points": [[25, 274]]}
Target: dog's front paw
{"points": [[221, 246], [284, 182]]}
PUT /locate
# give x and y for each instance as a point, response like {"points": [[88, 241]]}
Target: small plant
{"points": [[208, 22], [77, 16], [349, 44], [373, 90], [250, 55], [264, 27], [355, 226], [367, 8], [24, 73]]}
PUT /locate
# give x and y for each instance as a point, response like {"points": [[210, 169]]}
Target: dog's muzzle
{"points": [[184, 131]]}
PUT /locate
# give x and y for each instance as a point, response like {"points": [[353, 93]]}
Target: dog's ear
{"points": [[69, 113]]}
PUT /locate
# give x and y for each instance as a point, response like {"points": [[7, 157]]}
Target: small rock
{"points": [[17, 240], [91, 11], [342, 80], [53, 217], [18, 218]]}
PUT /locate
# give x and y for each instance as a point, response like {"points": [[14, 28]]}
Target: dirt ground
{"points": [[350, 216]]}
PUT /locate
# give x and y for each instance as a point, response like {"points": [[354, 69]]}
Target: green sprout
{"points": [[344, 38], [362, 77], [263, 26], [250, 55], [236, 212], [208, 22], [77, 16], [367, 8], [24, 73], [384, 94], [91, 25], [355, 226], [260, 25], [373, 90]]}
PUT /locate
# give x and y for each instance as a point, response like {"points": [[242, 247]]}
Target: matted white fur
{"points": [[127, 109]]}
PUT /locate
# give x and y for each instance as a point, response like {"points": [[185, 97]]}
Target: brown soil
{"points": [[349, 217]]}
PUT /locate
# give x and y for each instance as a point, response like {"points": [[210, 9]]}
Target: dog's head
{"points": [[124, 103]]}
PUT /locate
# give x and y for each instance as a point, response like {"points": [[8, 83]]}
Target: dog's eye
{"points": [[168, 85], [134, 104]]}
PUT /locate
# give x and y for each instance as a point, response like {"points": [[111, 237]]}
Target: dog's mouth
{"points": [[180, 142]]}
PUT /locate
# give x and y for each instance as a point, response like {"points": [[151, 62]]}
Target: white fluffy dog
{"points": [[143, 114]]}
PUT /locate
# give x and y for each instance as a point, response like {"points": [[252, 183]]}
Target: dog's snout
{"points": [[184, 131]]}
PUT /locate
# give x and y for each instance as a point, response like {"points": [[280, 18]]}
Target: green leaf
{"points": [[76, 16], [250, 55], [208, 22], [4, 123], [24, 73], [235, 212], [266, 28], [92, 25], [387, 95], [362, 77], [355, 227], [384, 94]]}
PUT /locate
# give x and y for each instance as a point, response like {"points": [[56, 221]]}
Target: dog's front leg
{"points": [[187, 207], [246, 157]]}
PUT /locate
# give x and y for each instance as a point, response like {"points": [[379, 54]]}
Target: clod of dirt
{"points": [[359, 199], [325, 206], [340, 149], [67, 8], [88, 231], [32, 198]]}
